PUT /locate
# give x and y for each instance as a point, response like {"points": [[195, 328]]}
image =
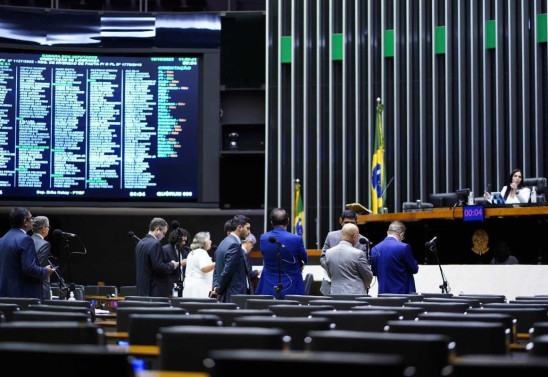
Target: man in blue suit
{"points": [[20, 272], [393, 263], [230, 276], [284, 256]]}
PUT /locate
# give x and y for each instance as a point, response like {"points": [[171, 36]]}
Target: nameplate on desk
{"points": [[473, 213]]}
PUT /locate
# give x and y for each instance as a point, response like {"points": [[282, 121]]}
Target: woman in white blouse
{"points": [[514, 192], [199, 267]]}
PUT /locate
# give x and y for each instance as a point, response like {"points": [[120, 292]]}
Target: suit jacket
{"points": [[171, 253], [43, 252], [394, 265], [230, 274], [20, 272], [293, 256], [333, 239], [348, 269], [152, 269]]}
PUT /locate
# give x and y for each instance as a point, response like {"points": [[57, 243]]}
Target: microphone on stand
{"points": [[132, 235], [60, 233], [431, 242], [273, 239], [364, 241]]}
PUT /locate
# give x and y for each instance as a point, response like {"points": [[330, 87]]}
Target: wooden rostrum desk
{"points": [[521, 226]]}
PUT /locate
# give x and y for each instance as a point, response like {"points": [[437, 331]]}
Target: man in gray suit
{"points": [[347, 266], [40, 230], [333, 239]]}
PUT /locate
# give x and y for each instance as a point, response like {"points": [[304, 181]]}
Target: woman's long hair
{"points": [[514, 171]]}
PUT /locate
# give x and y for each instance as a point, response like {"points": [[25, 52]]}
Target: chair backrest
{"points": [[50, 315], [8, 310], [23, 302], [469, 337], [144, 328], [485, 298], [538, 329], [346, 297], [428, 353], [472, 302], [506, 319], [193, 307], [65, 309], [228, 315], [142, 304], [240, 299], [228, 363], [305, 299], [101, 290], [410, 296], [147, 298], [68, 332], [538, 182], [451, 307], [298, 310], [363, 320], [337, 304], [127, 290], [499, 365], [264, 303], [525, 317], [436, 295], [184, 348], [308, 284], [75, 303], [405, 312], [538, 346], [383, 301], [296, 327], [122, 315], [64, 360], [177, 300]]}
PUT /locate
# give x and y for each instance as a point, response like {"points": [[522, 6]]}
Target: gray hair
{"points": [[199, 240], [396, 227], [38, 223], [251, 238]]}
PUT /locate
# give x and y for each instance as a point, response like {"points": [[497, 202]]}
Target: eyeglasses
{"points": [[29, 218]]}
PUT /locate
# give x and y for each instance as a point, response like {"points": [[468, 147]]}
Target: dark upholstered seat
{"points": [[363, 320]]}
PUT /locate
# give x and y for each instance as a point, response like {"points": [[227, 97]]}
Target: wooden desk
{"points": [[455, 213], [113, 336], [168, 373], [136, 350]]}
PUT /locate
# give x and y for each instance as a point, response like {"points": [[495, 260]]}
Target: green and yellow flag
{"points": [[377, 166], [298, 217]]}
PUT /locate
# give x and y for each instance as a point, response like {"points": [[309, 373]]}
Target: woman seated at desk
{"points": [[514, 192]]}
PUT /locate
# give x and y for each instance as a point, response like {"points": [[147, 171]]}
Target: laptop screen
{"points": [[497, 198]]}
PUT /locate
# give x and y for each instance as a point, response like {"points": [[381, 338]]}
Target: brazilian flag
{"points": [[298, 217], [377, 166]]}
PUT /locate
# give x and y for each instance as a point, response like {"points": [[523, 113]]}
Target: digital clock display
{"points": [[473, 213]]}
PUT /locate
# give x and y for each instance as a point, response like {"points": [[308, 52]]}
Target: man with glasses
{"points": [[40, 230], [393, 263], [152, 271], [20, 272], [333, 239]]}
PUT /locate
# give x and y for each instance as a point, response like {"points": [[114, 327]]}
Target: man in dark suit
{"points": [[152, 271], [20, 272], [283, 257], [230, 276], [40, 230], [393, 263]]}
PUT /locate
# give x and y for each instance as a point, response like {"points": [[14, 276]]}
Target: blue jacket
{"points": [[393, 263], [293, 256], [20, 272]]}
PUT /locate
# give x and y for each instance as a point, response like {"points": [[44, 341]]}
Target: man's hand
{"points": [[214, 294], [50, 269]]}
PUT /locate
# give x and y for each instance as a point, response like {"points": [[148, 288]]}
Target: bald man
{"points": [[348, 268]]}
